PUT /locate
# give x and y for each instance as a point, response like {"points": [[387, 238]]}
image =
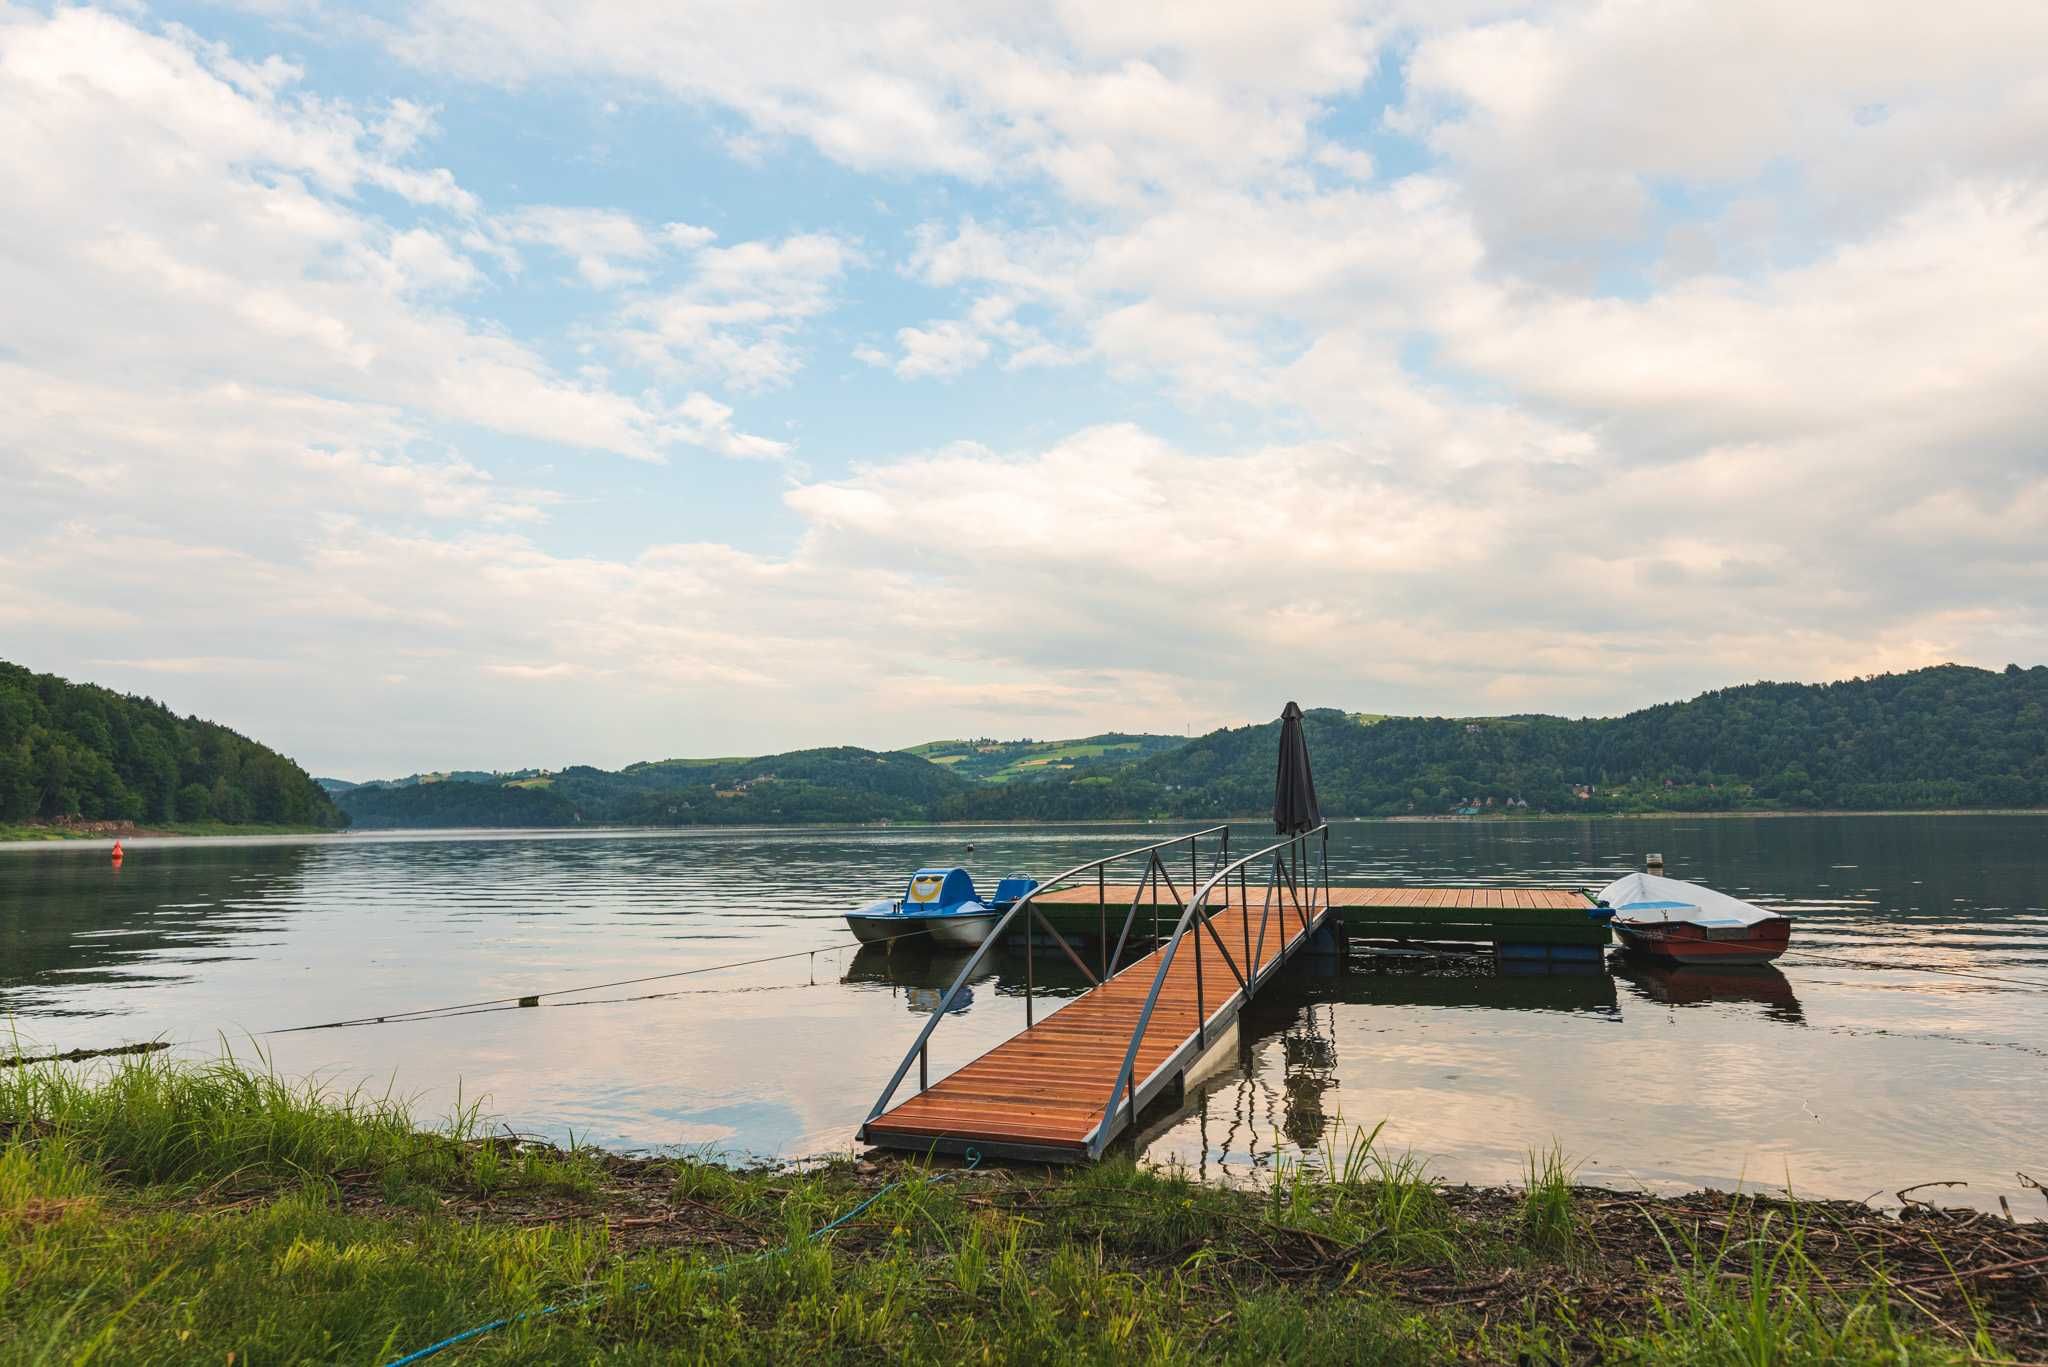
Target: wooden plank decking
{"points": [[1042, 1094], [1513, 915], [1435, 899]]}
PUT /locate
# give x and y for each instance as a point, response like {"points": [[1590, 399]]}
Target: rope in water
{"points": [[524, 1000], [422, 1354], [513, 1002]]}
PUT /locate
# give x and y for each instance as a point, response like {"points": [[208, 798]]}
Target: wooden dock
{"points": [[1526, 916], [1044, 1095]]}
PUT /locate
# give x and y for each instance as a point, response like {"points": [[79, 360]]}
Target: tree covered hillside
{"points": [[78, 750], [842, 783], [1942, 737], [1947, 736], [451, 804]]}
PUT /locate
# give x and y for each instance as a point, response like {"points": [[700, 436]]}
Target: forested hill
{"points": [[1947, 736], [1943, 737], [78, 750], [836, 784]]}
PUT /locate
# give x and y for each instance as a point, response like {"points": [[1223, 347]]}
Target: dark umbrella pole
{"points": [[1295, 809]]}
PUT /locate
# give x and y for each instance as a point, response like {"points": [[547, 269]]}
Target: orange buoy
{"points": [[118, 856]]}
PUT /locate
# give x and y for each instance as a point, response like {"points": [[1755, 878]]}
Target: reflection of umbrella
{"points": [[1294, 790]]}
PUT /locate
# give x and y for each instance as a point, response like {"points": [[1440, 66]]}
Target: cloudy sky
{"points": [[518, 383]]}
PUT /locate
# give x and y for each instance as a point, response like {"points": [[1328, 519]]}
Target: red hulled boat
{"points": [[1689, 924]]}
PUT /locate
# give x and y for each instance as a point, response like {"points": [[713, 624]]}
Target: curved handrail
{"points": [[996, 933], [1199, 903]]}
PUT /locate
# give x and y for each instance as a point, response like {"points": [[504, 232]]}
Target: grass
{"points": [[1760, 1298], [1547, 1223], [157, 1211]]}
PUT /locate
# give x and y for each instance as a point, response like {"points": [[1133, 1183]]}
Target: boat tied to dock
{"points": [[1669, 919], [939, 902]]}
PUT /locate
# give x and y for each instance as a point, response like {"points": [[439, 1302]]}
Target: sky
{"points": [[467, 384]]}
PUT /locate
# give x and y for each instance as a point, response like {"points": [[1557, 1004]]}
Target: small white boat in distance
{"points": [[940, 904]]}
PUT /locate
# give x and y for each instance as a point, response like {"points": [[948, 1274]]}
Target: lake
{"points": [[1904, 1040]]}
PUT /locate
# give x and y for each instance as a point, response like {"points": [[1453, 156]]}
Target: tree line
{"points": [[1941, 737], [1947, 736], [78, 750]]}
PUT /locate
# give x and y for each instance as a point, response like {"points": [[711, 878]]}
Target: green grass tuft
{"points": [[1548, 1225]]}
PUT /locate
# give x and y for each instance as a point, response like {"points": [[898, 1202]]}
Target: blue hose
{"points": [[422, 1354]]}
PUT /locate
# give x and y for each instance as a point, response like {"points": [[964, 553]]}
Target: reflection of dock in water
{"points": [[1476, 982], [1241, 1105]]}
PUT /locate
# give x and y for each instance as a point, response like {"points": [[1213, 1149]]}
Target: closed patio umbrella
{"points": [[1294, 788]]}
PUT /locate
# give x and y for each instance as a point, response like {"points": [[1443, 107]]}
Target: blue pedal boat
{"points": [[940, 904]]}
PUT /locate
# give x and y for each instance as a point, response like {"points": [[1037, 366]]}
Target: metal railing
{"points": [[1155, 872], [1291, 878]]}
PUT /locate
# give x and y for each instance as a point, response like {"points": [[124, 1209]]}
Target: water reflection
{"points": [[922, 972], [1917, 1050], [83, 923], [1477, 981], [1706, 985]]}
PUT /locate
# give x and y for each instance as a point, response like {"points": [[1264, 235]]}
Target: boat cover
{"points": [[1644, 898]]}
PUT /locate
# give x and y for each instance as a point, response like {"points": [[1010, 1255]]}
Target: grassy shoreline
{"points": [[151, 1210], [40, 832]]}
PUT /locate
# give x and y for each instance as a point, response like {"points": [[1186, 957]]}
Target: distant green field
{"points": [[685, 763], [993, 761]]}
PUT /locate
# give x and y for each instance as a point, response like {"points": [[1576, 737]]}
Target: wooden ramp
{"points": [[1042, 1095]]}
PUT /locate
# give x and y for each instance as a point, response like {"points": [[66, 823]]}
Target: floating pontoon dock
{"points": [[1504, 916], [1076, 1079]]}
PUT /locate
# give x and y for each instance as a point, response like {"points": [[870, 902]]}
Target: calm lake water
{"points": [[1904, 1040]]}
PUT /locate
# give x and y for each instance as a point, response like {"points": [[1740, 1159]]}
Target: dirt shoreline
{"points": [[1627, 1254]]}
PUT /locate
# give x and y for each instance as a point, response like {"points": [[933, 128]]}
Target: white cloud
{"points": [[1348, 161], [1931, 326], [1109, 108], [605, 245], [686, 236], [1563, 118], [739, 314], [939, 350]]}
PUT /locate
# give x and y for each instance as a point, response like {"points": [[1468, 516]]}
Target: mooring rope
{"points": [[533, 998], [422, 1354], [525, 1000]]}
